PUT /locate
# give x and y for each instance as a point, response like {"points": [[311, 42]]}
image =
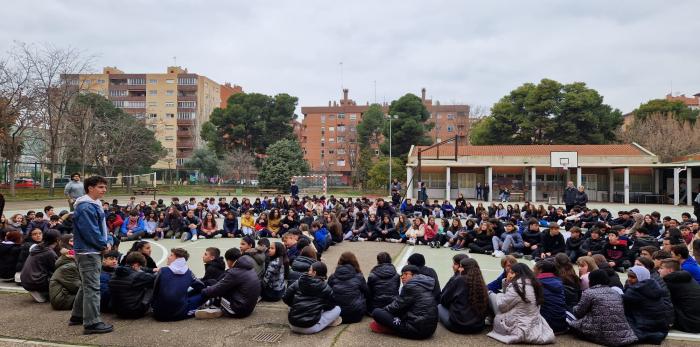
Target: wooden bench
{"points": [[517, 196], [267, 192], [145, 191]]}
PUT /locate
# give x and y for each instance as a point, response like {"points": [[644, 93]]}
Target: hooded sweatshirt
{"points": [[89, 226], [171, 291]]}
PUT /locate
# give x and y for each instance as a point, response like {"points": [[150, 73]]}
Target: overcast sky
{"points": [[475, 53]]}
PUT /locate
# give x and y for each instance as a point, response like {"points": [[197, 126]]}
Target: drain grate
{"points": [[267, 337]]}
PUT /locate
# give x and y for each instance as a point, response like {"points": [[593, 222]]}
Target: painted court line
{"points": [[163, 249]]}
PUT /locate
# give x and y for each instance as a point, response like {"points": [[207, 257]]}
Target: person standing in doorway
{"points": [[479, 191], [423, 192], [487, 192], [90, 243], [570, 194], [73, 190]]}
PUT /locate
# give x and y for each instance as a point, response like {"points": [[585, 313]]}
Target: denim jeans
{"points": [[87, 301]]}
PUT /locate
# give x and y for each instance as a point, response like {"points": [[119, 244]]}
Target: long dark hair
{"points": [[566, 270], [476, 287], [281, 252], [349, 258], [523, 274]]}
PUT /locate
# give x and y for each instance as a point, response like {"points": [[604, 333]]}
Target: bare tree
{"points": [[17, 110], [55, 74], [85, 114], [239, 163], [663, 135]]}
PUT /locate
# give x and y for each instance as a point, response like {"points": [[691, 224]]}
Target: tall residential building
{"points": [[173, 104], [328, 134]]}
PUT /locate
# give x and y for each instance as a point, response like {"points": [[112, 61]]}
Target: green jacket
{"points": [[64, 283]]}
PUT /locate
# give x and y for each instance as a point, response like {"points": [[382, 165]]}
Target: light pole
{"points": [[390, 158]]}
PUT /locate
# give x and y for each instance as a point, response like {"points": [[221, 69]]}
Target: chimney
{"points": [[422, 92], [345, 93]]}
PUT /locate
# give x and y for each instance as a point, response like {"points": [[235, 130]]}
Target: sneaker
{"points": [[208, 313], [432, 244], [75, 321], [184, 237], [194, 238], [336, 322], [437, 244], [38, 297], [447, 244], [499, 254], [361, 239], [98, 328], [379, 329]]}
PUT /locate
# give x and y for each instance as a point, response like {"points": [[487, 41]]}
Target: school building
{"points": [[625, 173]]}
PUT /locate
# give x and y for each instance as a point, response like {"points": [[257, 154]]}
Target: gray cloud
{"points": [[465, 52]]}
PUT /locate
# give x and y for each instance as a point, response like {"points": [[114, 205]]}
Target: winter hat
{"points": [[416, 259], [598, 277], [641, 272]]}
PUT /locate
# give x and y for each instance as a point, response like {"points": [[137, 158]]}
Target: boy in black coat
{"points": [[310, 301], [616, 252], [131, 288], [594, 244], [238, 289], [414, 313], [685, 295], [574, 244], [214, 265], [383, 283], [552, 241], [418, 260]]}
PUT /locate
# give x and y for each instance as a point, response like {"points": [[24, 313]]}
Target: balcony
{"points": [[185, 121], [185, 144], [184, 133]]}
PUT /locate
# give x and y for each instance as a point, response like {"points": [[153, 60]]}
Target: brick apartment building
{"points": [[173, 104], [692, 102], [328, 134]]}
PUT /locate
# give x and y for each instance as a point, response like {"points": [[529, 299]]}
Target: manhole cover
{"points": [[267, 337]]}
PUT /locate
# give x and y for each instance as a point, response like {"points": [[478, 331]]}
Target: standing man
{"points": [[423, 192], [73, 190], [395, 185], [570, 196], [294, 189], [90, 243], [479, 191]]}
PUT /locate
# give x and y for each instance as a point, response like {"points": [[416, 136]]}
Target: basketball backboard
{"points": [[563, 159]]}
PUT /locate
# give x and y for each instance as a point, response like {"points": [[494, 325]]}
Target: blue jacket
{"points": [[105, 297], [89, 226], [320, 237], [553, 310], [692, 267], [497, 285], [170, 293], [140, 226]]}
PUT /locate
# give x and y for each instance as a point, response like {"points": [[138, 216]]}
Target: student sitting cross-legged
{"points": [[310, 299], [131, 287], [237, 291], [176, 293]]}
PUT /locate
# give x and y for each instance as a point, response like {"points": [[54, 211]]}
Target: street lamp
{"points": [[390, 159]]}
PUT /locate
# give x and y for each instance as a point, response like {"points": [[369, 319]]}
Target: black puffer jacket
{"points": [[9, 254], [129, 292], [299, 267], [240, 286], [685, 294], [667, 310], [24, 254], [430, 272], [601, 318], [349, 292], [214, 270], [383, 284], [455, 298], [640, 299], [416, 307], [308, 298], [38, 268], [593, 246]]}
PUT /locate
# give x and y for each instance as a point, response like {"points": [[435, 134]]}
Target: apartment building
{"points": [[173, 104], [328, 134]]}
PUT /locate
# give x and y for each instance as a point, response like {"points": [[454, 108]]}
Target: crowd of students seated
{"points": [[282, 241]]}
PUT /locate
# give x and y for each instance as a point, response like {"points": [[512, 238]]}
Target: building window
{"points": [[170, 81], [340, 139], [170, 115], [100, 81], [187, 104], [136, 81], [341, 115], [181, 161], [376, 152], [330, 163], [323, 118], [139, 116], [169, 138], [118, 103], [341, 162], [330, 151], [188, 81], [152, 92], [450, 116], [186, 115], [353, 116], [153, 115], [152, 127], [332, 139], [331, 128], [153, 81], [341, 128], [341, 151], [118, 92], [331, 117], [169, 127], [352, 129], [169, 104], [438, 116], [152, 104], [169, 92]]}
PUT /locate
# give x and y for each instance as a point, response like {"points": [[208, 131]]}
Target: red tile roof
{"points": [[533, 150]]}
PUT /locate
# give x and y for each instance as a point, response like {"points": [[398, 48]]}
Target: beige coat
{"points": [[519, 322]]}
